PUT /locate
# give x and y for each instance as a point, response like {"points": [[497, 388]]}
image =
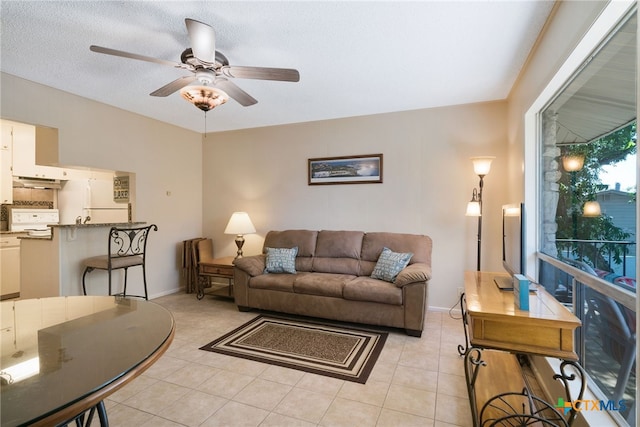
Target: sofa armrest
{"points": [[418, 272], [252, 265]]}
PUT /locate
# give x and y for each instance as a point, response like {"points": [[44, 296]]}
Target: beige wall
{"points": [[428, 180], [164, 158]]}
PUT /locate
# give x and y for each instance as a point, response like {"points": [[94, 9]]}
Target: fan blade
{"points": [[114, 52], [262, 73], [168, 89], [203, 40], [235, 92]]}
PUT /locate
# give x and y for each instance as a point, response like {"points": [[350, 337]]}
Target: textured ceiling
{"points": [[355, 58]]}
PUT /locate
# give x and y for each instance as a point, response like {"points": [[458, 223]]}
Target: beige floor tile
{"points": [[282, 375], [320, 383], [389, 418], [453, 410], [216, 360], [382, 371], [192, 375], [126, 416], [453, 365], [237, 415], [348, 413], [411, 401], [452, 335], [373, 392], [420, 360], [160, 422], [165, 366], [193, 408], [134, 387], [391, 351], [244, 366], [304, 404], [427, 344], [277, 420], [262, 394], [416, 378], [189, 352], [443, 424], [452, 385], [156, 397], [225, 384]]}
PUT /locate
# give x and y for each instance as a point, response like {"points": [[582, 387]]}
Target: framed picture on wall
{"points": [[363, 169]]}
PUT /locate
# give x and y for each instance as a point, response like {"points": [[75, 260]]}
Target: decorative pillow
{"points": [[281, 260], [390, 264]]}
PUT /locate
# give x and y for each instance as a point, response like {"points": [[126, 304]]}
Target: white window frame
{"points": [[610, 17], [604, 24]]}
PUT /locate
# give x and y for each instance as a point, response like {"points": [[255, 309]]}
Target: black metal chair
{"points": [[126, 248]]}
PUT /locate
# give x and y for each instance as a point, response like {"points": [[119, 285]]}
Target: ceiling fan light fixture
{"points": [[204, 97]]}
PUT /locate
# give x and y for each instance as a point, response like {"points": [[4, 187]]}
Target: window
{"points": [[585, 204]]}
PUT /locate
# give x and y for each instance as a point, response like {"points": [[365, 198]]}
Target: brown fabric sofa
{"points": [[332, 278]]}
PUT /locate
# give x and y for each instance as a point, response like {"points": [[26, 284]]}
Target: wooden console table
{"points": [[492, 321]]}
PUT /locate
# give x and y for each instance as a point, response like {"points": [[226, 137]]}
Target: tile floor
{"points": [[416, 381]]}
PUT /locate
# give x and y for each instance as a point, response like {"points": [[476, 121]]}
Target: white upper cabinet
{"points": [[6, 164], [33, 145]]}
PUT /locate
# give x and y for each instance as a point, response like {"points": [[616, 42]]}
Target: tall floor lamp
{"points": [[481, 166]]}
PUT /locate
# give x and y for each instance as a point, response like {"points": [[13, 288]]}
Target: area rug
{"points": [[341, 352]]}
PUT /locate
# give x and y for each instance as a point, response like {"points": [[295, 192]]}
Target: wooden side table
{"points": [[220, 268]]}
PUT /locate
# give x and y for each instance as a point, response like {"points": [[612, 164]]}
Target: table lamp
{"points": [[240, 224]]}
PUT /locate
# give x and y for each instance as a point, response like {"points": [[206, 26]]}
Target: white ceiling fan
{"points": [[208, 67]]}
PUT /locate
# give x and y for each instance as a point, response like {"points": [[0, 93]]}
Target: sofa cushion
{"points": [[372, 290], [390, 264], [278, 282], [338, 252], [305, 240], [339, 244], [322, 284], [419, 245], [281, 260]]}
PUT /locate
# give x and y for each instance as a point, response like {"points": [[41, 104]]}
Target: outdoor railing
{"points": [[606, 342], [603, 254]]}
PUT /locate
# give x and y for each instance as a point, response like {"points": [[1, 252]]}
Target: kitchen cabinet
{"points": [[6, 164], [25, 152], [9, 266]]}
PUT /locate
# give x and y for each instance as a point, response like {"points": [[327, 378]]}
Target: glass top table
{"points": [[62, 356]]}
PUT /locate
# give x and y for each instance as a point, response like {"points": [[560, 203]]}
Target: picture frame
{"points": [[360, 169]]}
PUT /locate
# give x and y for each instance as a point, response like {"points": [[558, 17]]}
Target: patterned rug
{"points": [[335, 351]]}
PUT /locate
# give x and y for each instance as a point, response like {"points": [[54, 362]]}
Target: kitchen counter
{"points": [[75, 226], [101, 224], [53, 266]]}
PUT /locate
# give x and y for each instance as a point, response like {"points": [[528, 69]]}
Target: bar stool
{"points": [[126, 248]]}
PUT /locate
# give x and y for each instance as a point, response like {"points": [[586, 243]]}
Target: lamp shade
{"points": [[482, 165], [572, 162], [592, 209], [239, 224], [473, 209]]}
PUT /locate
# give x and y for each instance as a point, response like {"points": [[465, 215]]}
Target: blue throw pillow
{"points": [[390, 264], [281, 260]]}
